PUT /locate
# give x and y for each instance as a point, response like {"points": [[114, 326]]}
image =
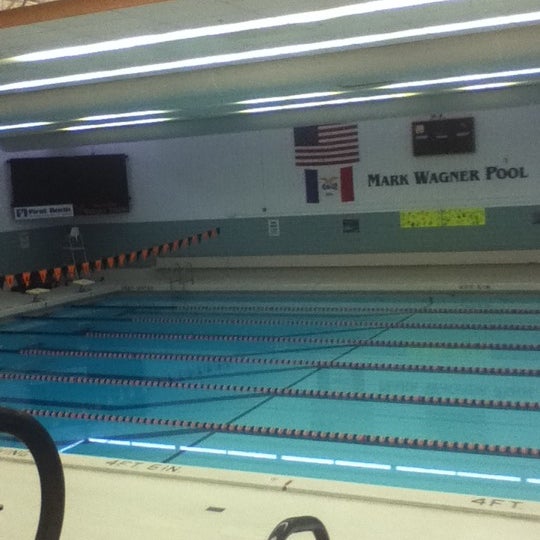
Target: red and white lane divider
{"points": [[319, 310], [293, 433], [278, 392], [315, 364], [335, 324], [315, 341]]}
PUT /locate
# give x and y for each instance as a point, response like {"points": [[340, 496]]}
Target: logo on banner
{"points": [[43, 212], [329, 186]]}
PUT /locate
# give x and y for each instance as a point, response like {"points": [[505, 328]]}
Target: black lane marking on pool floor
{"points": [[289, 388], [337, 359], [327, 364], [206, 436], [244, 413], [257, 391]]}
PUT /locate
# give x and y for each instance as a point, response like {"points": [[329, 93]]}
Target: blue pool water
{"points": [[427, 392]]}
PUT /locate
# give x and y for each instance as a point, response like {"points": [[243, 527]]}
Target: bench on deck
{"points": [[84, 284], [36, 293]]}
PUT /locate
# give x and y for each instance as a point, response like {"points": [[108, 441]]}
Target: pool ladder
{"points": [[183, 274]]}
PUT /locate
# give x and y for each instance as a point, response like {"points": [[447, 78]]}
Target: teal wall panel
{"points": [[505, 229]]}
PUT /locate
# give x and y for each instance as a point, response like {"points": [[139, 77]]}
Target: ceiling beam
{"points": [[211, 88], [61, 9]]}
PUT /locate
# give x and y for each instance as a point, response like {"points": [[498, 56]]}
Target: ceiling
{"points": [[12, 4], [41, 106]]}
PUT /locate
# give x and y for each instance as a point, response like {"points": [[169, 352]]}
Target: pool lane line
{"points": [[402, 399], [293, 433], [292, 322], [311, 340], [326, 364], [249, 410], [320, 309]]}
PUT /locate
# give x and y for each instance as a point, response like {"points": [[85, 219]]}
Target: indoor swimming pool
{"points": [[429, 392]]}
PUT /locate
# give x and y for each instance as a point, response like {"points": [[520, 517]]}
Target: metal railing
{"points": [[182, 274]]}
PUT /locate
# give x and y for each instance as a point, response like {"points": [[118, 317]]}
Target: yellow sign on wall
{"points": [[463, 217], [454, 217], [420, 218]]}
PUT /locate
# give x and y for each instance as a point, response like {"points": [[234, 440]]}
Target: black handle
{"points": [[298, 524], [51, 475]]}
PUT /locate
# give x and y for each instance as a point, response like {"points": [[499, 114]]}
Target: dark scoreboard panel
{"points": [[443, 136], [95, 184]]}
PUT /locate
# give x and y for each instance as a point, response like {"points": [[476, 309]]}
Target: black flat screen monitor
{"points": [[94, 184]]}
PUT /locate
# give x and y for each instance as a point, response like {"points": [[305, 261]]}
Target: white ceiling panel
{"points": [[203, 98]]}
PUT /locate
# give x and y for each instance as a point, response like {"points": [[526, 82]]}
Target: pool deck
{"points": [[139, 500], [176, 274], [136, 500]]}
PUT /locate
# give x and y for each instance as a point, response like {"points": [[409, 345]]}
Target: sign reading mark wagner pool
{"points": [[22, 213], [423, 177]]}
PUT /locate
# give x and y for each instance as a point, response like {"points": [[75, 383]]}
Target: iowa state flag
{"points": [[321, 184], [326, 153]]}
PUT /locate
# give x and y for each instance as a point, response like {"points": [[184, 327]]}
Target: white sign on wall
{"points": [[273, 227], [23, 213]]}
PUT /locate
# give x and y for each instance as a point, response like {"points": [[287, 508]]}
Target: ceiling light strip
{"points": [[342, 101], [292, 97], [25, 125], [463, 78], [117, 124], [119, 115], [223, 29], [487, 86], [276, 52]]}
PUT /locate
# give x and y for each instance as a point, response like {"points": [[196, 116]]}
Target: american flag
{"points": [[331, 144]]}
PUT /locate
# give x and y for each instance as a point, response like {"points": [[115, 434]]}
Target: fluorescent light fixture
{"points": [[26, 125], [85, 127], [276, 52], [488, 86], [293, 97], [222, 29], [482, 476], [361, 465], [533, 480], [462, 79], [422, 470], [342, 101], [119, 115]]}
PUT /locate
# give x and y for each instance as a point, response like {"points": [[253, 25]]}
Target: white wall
{"points": [[253, 174]]}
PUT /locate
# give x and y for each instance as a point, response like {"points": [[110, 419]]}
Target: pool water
{"points": [[432, 392]]}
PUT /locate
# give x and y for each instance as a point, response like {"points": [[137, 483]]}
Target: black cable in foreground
{"points": [[51, 475], [294, 525]]}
